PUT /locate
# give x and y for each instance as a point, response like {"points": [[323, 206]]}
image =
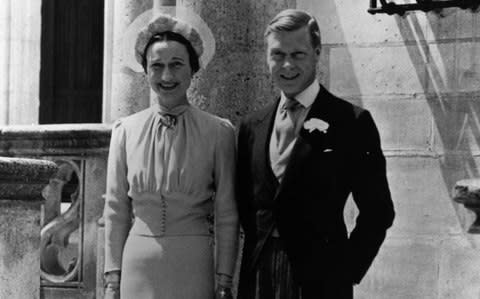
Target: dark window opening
{"points": [[71, 72]]}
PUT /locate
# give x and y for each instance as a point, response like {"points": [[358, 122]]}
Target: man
{"points": [[299, 160]]}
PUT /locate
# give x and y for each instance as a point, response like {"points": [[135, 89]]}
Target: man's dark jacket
{"points": [[307, 207]]}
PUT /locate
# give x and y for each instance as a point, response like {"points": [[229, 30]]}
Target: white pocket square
{"points": [[328, 150]]}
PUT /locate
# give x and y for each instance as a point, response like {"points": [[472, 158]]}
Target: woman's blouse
{"points": [[166, 176]]}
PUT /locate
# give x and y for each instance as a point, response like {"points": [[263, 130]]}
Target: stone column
{"points": [[125, 91], [20, 37], [4, 61], [20, 199], [236, 81]]}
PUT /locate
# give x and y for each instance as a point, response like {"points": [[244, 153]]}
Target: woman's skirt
{"points": [[172, 267]]}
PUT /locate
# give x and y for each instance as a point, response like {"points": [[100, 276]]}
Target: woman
{"points": [[169, 168]]}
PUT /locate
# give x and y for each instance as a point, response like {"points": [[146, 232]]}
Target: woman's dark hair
{"points": [[172, 36]]}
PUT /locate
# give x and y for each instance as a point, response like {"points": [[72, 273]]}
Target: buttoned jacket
{"points": [[307, 208]]}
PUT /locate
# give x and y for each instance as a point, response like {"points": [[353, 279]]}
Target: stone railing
{"points": [[73, 202], [21, 185]]}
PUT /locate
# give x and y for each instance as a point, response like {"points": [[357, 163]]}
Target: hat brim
{"points": [[146, 25]]}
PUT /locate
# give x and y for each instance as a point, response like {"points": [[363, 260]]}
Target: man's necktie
{"points": [[285, 126], [285, 135]]}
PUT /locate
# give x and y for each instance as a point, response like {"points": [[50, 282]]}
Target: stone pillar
{"points": [[4, 61], [20, 37], [20, 199], [236, 81], [125, 91]]}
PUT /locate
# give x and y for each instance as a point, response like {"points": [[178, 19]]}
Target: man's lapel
{"points": [[307, 142], [263, 130]]}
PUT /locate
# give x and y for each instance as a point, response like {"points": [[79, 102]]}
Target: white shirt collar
{"points": [[307, 96]]}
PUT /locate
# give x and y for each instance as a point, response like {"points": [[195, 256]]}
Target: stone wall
{"points": [[419, 75]]}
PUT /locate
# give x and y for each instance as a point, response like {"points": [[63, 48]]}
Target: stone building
{"points": [[63, 61]]}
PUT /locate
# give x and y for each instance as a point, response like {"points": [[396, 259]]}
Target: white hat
{"points": [[144, 27], [163, 23]]}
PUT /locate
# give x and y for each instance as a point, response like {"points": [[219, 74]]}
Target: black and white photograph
{"points": [[240, 149]]}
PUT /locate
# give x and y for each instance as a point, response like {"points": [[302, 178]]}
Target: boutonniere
{"points": [[316, 124]]}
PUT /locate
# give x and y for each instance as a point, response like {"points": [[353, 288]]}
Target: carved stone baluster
{"points": [[60, 259]]}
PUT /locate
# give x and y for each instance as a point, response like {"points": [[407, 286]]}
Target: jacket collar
{"points": [[264, 120]]}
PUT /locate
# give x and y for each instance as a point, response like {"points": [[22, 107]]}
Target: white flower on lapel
{"points": [[316, 124]]}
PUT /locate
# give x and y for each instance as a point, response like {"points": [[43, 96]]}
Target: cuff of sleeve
{"points": [[224, 280]]}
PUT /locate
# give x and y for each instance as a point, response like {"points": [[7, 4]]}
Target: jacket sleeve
{"points": [[372, 197], [226, 216], [117, 211]]}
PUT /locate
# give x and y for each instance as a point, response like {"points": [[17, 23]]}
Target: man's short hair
{"points": [[294, 19]]}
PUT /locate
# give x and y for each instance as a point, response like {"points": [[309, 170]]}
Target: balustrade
{"points": [[73, 202]]}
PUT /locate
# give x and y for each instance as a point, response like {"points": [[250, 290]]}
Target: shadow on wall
{"points": [[447, 60]]}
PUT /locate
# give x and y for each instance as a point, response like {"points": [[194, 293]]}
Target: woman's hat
{"points": [[179, 19], [163, 23]]}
